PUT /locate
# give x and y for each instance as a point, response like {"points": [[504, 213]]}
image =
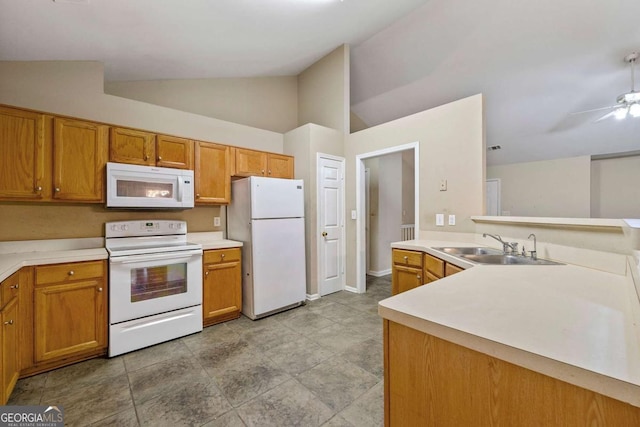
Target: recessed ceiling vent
{"points": [[493, 147], [72, 1]]}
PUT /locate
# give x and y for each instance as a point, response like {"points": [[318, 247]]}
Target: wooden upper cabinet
{"points": [[259, 163], [174, 152], [212, 173], [132, 146], [79, 158], [279, 166], [250, 162], [24, 169]]}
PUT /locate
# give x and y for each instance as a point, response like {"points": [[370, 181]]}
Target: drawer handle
{"points": [[222, 256], [38, 189], [71, 273], [14, 286], [57, 189], [406, 258], [159, 158], [10, 322], [99, 289]]}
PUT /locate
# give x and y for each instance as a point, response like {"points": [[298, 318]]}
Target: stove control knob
{"points": [[179, 225], [125, 227], [170, 225]]}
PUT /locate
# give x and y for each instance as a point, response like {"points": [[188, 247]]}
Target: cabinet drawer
{"points": [[9, 289], [67, 272], [450, 269], [434, 265], [221, 255], [402, 257]]}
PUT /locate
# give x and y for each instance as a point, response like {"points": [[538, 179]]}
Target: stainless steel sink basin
{"points": [[503, 259], [470, 251]]}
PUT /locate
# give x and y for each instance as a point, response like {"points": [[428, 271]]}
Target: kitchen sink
{"points": [[506, 259], [470, 251], [482, 255]]}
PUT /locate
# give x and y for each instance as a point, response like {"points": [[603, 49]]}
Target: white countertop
{"points": [[572, 323], [18, 254]]}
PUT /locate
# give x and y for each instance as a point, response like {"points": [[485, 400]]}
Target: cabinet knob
{"points": [[99, 289], [14, 286], [71, 273], [222, 256], [406, 258], [146, 157], [9, 322], [38, 189], [262, 171], [197, 196], [159, 158], [206, 273], [57, 189], [419, 277], [269, 171]]}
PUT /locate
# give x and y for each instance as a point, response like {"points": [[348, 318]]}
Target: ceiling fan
{"points": [[628, 104]]}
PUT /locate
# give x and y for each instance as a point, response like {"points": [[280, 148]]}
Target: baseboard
{"points": [[351, 289], [379, 273], [313, 297]]}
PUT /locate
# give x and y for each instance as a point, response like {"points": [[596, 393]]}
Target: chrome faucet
{"points": [[534, 252], [506, 246]]}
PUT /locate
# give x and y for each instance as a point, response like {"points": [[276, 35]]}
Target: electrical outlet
{"points": [[443, 185], [440, 220], [452, 220], [216, 221]]}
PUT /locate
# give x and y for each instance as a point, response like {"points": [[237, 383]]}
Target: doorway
{"points": [[361, 202]]}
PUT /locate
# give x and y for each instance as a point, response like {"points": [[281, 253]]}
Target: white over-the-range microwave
{"points": [[144, 187]]}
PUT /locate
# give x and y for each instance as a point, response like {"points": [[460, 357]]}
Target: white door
{"points": [[493, 197], [331, 242]]}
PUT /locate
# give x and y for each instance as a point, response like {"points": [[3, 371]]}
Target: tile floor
{"points": [[316, 365]]}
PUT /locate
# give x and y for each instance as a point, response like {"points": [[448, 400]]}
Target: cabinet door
{"points": [[222, 292], [250, 162], [79, 158], [10, 348], [70, 318], [213, 179], [405, 278], [450, 269], [132, 146], [23, 167], [174, 152], [280, 166]]}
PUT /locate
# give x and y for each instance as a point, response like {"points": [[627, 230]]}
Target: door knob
{"points": [[324, 234]]}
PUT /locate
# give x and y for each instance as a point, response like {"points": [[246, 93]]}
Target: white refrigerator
{"points": [[267, 216]]}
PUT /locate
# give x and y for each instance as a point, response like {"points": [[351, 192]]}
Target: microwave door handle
{"points": [[180, 188], [130, 259]]}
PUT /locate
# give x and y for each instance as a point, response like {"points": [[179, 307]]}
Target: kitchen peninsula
{"points": [[512, 345]]}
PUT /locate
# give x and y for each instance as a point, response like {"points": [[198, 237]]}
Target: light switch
{"points": [[443, 185], [354, 215], [440, 220], [216, 221], [452, 220]]}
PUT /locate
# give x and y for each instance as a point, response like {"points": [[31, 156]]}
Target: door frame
{"points": [[499, 198], [343, 236], [361, 279]]}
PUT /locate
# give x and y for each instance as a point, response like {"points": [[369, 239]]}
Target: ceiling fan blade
{"points": [[595, 109], [606, 116]]}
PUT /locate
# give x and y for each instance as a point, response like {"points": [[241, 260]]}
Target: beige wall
{"points": [[615, 188], [269, 103], [40, 221], [304, 143], [452, 147], [323, 92], [552, 188], [75, 88]]}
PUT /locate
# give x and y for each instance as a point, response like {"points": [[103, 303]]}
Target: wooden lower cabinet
{"points": [[432, 382], [10, 323], [70, 314], [222, 285], [413, 268]]}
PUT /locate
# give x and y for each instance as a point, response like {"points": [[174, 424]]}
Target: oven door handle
{"points": [[130, 259]]}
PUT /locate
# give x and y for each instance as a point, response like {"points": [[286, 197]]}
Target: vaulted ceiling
{"points": [[535, 62]]}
